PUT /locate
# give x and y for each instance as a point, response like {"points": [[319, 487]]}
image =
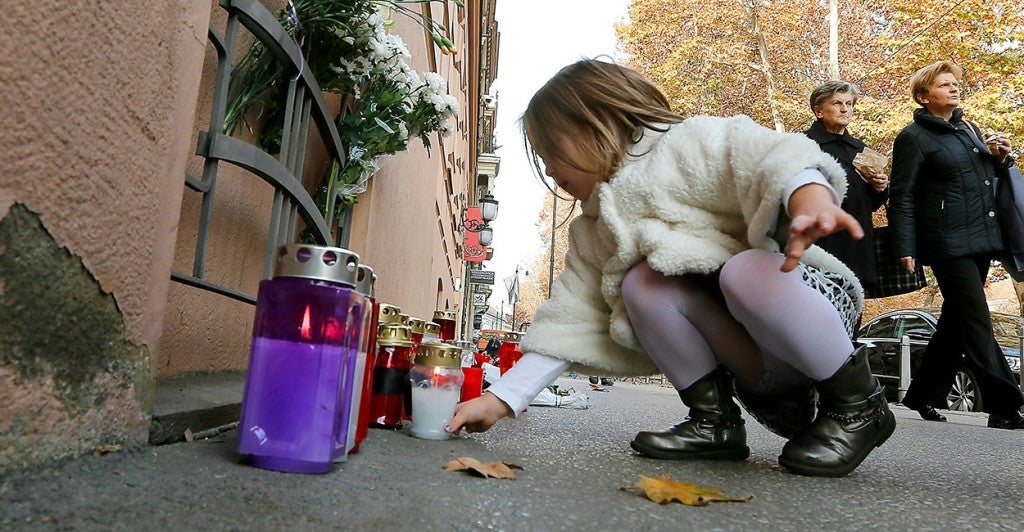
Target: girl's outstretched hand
{"points": [[814, 215], [478, 415]]}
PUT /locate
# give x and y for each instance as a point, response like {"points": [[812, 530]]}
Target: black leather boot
{"points": [[1010, 421], [713, 431], [853, 419]]}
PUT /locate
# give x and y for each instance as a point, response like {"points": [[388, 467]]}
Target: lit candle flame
{"points": [[306, 330]]}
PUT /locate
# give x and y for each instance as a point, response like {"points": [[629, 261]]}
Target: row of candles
{"points": [[328, 362]]}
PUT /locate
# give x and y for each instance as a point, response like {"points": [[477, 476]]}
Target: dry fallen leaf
{"points": [[106, 449], [493, 469], [663, 490]]}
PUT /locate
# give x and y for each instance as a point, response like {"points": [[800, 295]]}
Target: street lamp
{"points": [[486, 235], [488, 208], [488, 212], [476, 248]]}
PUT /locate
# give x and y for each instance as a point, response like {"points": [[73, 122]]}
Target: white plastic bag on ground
{"points": [[575, 401]]}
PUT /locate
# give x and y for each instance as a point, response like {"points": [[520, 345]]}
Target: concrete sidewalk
{"points": [[956, 475]]}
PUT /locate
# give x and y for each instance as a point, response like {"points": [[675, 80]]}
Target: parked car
{"points": [[881, 336]]}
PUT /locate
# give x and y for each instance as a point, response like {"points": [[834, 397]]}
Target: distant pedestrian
{"points": [[942, 213], [675, 265], [832, 104]]}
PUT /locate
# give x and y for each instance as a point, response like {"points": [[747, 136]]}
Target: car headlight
{"points": [[1014, 363]]}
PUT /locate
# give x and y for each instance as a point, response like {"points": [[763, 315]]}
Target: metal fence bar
{"points": [[286, 128], [224, 48], [275, 219], [904, 367]]}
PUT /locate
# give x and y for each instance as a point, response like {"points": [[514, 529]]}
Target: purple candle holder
{"points": [[298, 391]]}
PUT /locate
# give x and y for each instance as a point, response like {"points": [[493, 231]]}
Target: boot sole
{"points": [[811, 471], [735, 455]]}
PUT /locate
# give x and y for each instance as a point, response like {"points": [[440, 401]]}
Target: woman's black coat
{"points": [[860, 201], [942, 203]]}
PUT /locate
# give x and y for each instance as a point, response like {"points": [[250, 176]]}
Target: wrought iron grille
{"points": [[304, 106]]}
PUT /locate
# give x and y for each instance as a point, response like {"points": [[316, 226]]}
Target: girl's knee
{"points": [[636, 284], [747, 266], [747, 276]]}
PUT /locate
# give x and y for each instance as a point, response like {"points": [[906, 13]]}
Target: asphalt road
{"points": [[928, 476]]}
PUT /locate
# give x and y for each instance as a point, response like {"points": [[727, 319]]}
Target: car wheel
{"points": [[965, 395]]}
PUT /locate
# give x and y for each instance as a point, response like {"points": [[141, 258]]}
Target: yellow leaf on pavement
{"points": [[663, 490], [493, 469]]}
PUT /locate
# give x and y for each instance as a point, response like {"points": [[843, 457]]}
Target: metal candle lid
{"points": [[394, 335], [416, 325], [512, 336], [431, 328], [317, 262], [365, 280], [444, 315], [443, 355], [390, 314]]}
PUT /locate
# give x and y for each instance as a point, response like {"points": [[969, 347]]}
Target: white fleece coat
{"points": [[685, 200]]}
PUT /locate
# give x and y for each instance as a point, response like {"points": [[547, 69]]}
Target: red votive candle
{"points": [[509, 353], [446, 319], [473, 385], [390, 376]]}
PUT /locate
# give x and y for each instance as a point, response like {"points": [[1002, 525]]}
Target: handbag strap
{"points": [[974, 131]]}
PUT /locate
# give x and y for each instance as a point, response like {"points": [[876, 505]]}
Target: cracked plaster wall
{"points": [[98, 103]]}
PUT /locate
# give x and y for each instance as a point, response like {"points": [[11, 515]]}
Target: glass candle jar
{"points": [[473, 383], [363, 386], [509, 353], [416, 331], [417, 328], [296, 386], [431, 333], [390, 376], [436, 379], [446, 319]]}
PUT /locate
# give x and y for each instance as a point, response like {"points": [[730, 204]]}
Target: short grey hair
{"points": [[827, 89]]}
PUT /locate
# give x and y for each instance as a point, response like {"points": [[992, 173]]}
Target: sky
{"points": [[537, 39]]}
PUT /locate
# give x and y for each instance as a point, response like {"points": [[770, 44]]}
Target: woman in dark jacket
{"points": [[942, 213], [832, 104]]}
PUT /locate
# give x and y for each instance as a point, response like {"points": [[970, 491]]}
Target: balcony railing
{"points": [[305, 106]]}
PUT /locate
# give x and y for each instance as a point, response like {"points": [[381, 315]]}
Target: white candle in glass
{"points": [[432, 408]]}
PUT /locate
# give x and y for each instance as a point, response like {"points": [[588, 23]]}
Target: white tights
{"points": [[773, 333]]}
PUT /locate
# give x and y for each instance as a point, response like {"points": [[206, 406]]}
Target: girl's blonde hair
{"points": [[922, 80], [600, 107]]}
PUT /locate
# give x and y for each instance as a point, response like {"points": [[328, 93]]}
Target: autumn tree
{"points": [[985, 38], [726, 57]]}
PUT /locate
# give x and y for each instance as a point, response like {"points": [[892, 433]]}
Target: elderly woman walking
{"points": [[832, 104]]}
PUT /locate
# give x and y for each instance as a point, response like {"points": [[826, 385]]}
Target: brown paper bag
{"points": [[869, 162]]}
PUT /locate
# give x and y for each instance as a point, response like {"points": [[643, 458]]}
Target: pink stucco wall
{"points": [[97, 102], [97, 106]]}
